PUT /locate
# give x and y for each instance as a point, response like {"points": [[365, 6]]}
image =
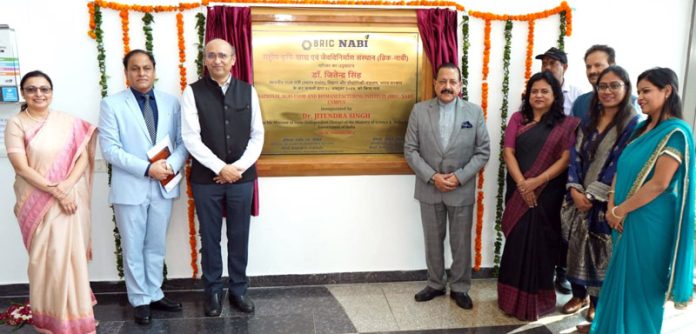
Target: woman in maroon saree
{"points": [[537, 143]]}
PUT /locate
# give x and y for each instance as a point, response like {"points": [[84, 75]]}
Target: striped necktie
{"points": [[149, 119]]}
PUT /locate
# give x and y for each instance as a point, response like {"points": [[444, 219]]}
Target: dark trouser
{"points": [[237, 200], [579, 291], [561, 261]]}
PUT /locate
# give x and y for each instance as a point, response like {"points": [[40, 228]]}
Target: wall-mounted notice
{"points": [[335, 92], [9, 65]]}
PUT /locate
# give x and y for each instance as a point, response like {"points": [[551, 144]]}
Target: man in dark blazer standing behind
{"points": [[446, 145]]}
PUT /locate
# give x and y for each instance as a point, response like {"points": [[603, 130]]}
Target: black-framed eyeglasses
{"points": [[612, 86], [42, 89]]}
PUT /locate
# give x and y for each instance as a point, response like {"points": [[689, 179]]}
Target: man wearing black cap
{"points": [[555, 61]]}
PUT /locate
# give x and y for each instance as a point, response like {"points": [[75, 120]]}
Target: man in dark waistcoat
{"points": [[223, 130]]}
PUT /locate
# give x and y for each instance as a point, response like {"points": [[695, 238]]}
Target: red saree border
{"points": [[44, 323], [525, 305]]}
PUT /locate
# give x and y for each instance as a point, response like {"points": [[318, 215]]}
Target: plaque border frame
{"points": [[339, 164]]}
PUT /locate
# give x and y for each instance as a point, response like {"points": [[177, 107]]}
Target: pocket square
{"points": [[467, 125]]}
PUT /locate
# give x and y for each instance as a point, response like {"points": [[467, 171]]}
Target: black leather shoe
{"points": [[213, 305], [242, 303], [428, 293], [462, 299], [166, 304], [562, 285], [141, 314]]}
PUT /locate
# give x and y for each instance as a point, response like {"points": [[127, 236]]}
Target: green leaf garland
{"points": [[501, 167], [465, 57], [101, 59], [200, 28], [101, 54], [561, 36], [147, 29]]}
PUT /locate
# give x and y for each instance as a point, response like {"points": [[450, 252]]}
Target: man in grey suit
{"points": [[446, 145]]}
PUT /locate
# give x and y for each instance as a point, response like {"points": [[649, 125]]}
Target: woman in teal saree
{"points": [[652, 214]]}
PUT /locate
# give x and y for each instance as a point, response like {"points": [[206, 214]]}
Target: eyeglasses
{"points": [[42, 89], [220, 55], [612, 86]]}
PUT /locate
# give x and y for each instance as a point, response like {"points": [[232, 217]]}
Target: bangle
{"points": [[613, 213], [610, 192]]}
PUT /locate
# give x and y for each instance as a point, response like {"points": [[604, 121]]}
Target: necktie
{"points": [[149, 119]]}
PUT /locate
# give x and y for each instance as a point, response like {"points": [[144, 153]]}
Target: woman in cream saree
{"points": [[52, 154]]}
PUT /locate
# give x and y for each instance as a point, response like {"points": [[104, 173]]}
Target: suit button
{"points": [[225, 107], [227, 122], [228, 136]]}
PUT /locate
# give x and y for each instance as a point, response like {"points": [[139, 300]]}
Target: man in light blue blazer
{"points": [[131, 122]]}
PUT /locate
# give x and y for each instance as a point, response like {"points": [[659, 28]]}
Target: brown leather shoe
{"points": [[590, 313], [574, 305], [584, 328]]}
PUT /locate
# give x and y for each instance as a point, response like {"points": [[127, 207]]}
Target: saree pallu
{"points": [[592, 169], [58, 243], [653, 259], [532, 235]]}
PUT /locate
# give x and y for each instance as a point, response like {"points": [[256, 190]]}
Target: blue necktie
{"points": [[150, 119]]}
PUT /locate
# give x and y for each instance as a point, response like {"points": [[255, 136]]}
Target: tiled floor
{"points": [[345, 308]]}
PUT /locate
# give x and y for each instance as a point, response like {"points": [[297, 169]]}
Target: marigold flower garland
{"points": [[200, 28], [92, 25], [530, 50], [124, 28], [94, 32], [191, 5], [481, 180], [498, 244], [566, 30], [97, 34], [182, 49], [151, 9], [530, 19]]}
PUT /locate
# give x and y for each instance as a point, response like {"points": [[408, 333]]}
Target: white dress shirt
{"points": [[191, 133], [570, 93]]}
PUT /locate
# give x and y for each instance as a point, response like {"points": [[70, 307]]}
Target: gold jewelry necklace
{"points": [[34, 119]]}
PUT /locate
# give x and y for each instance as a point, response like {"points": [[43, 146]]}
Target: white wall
{"points": [[313, 224]]}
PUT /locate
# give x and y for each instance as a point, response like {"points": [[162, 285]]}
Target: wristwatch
{"points": [[590, 196]]}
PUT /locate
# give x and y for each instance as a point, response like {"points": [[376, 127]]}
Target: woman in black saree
{"points": [[536, 153]]}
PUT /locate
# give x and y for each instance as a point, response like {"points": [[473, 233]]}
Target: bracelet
{"points": [[613, 213], [610, 192]]}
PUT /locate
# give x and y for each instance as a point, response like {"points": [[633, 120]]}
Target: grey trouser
{"points": [[434, 218]]}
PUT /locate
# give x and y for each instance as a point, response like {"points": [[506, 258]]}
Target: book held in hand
{"points": [[162, 150]]}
